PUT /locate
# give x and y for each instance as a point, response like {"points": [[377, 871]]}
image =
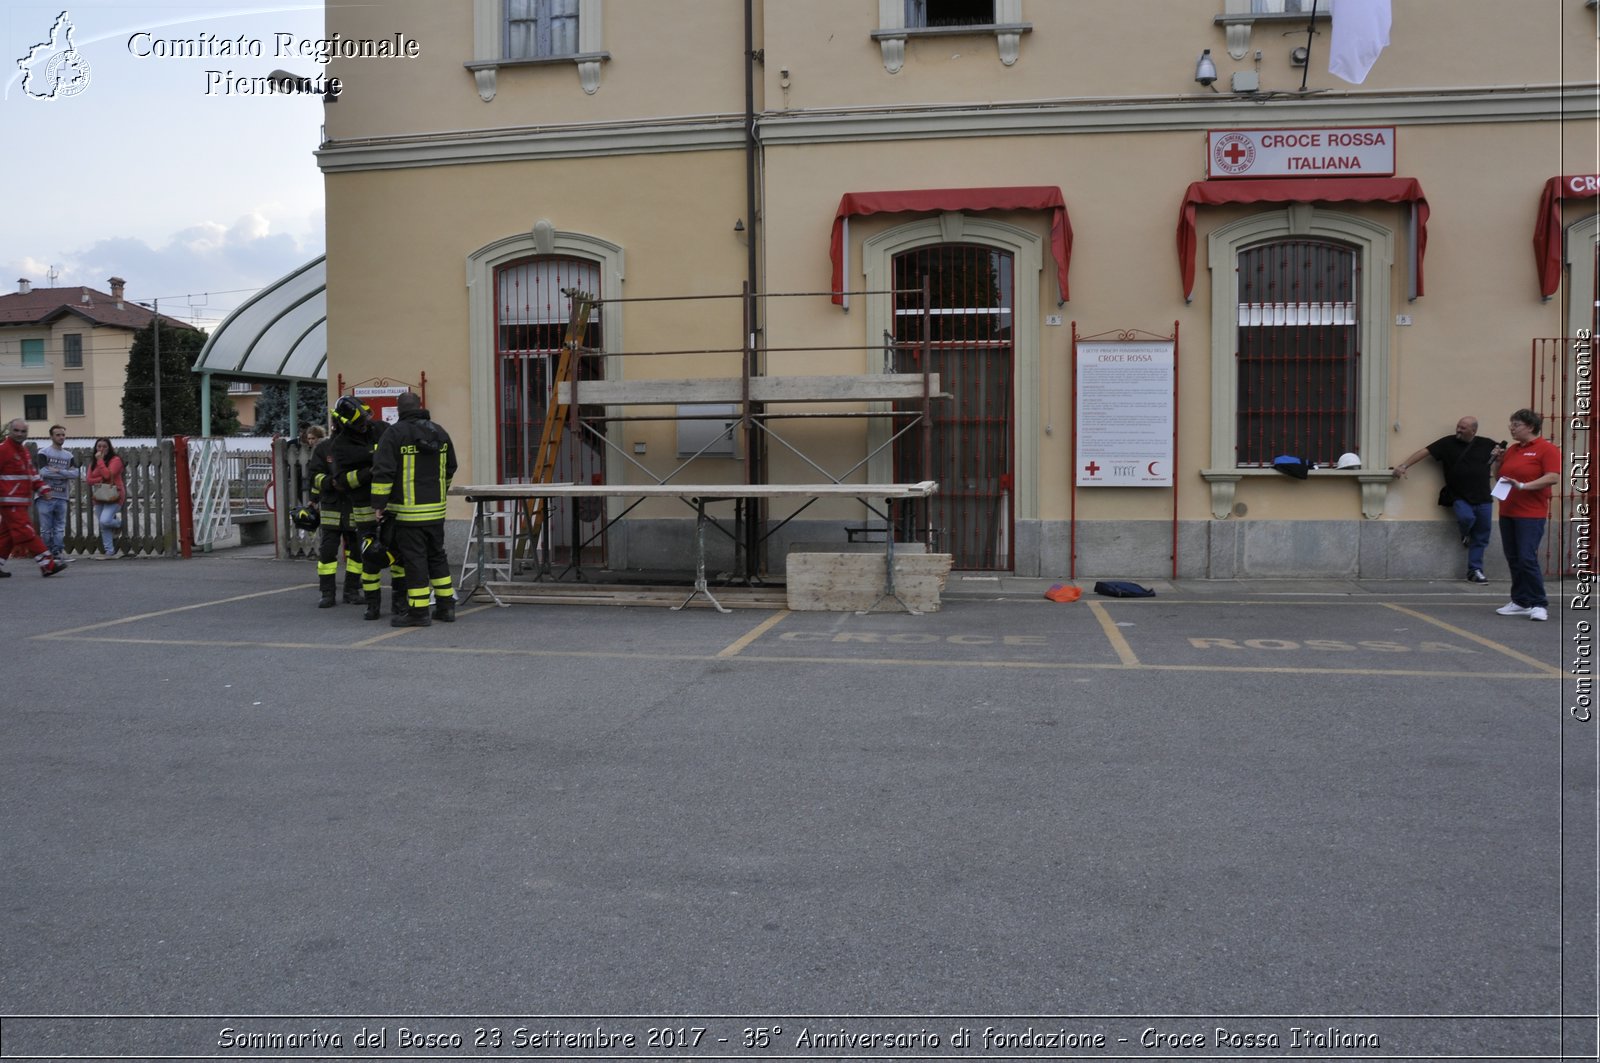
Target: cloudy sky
{"points": [[150, 171]]}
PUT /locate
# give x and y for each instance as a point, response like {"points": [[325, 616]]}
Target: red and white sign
{"points": [[1353, 151], [382, 401]]}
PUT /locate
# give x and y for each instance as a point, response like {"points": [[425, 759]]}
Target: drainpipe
{"points": [[755, 457], [752, 57]]}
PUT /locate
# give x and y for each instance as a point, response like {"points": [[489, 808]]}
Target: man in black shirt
{"points": [[1465, 458]]}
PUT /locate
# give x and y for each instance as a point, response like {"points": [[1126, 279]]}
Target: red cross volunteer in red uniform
{"points": [[19, 481], [1530, 467]]}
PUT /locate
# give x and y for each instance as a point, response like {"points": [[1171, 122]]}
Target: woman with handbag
{"points": [[109, 493]]}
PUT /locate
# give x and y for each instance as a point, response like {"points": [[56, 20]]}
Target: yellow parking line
{"points": [[1479, 639], [1114, 636], [734, 648]]}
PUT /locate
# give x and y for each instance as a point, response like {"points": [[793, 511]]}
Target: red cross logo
{"points": [[1234, 153], [1092, 469]]}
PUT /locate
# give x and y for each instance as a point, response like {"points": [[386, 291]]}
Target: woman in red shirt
{"points": [[106, 468], [1532, 465]]}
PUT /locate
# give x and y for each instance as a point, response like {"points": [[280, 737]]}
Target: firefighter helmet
{"points": [[307, 517], [375, 554], [349, 410]]}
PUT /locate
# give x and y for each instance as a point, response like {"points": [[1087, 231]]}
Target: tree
{"points": [[180, 387], [272, 408]]}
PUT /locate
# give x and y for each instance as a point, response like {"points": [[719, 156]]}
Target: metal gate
{"points": [[970, 326], [1560, 369], [530, 321]]}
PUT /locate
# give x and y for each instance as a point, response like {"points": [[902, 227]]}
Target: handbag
{"points": [[105, 493], [1447, 497]]}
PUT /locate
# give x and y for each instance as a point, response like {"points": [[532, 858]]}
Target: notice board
{"points": [[1125, 413], [382, 401]]}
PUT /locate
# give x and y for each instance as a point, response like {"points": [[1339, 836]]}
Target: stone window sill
{"points": [[1238, 26], [486, 71], [1007, 35], [1374, 485]]}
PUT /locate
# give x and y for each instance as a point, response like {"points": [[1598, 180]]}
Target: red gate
{"points": [[1559, 369]]}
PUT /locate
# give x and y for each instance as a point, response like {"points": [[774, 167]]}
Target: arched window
{"points": [[1299, 347], [517, 322], [1299, 352], [970, 345]]}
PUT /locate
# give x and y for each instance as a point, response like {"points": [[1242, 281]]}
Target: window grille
{"points": [[72, 350], [531, 315], [1298, 357], [74, 397], [924, 14], [539, 29]]}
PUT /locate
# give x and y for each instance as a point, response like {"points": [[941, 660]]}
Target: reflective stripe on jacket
{"points": [[19, 477], [412, 469]]}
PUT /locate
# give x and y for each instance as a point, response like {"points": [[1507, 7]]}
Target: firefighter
{"points": [[410, 475], [354, 441], [338, 529]]}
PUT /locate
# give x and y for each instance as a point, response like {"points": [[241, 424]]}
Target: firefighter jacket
{"points": [[351, 456], [412, 469], [19, 477], [325, 490]]}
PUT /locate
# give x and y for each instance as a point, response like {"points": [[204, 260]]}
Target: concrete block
{"points": [[838, 582]]}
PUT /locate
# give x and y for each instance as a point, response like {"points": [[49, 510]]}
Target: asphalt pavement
{"points": [[1238, 819]]}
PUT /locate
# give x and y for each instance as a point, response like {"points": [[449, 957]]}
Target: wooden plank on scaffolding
{"points": [[881, 387], [711, 492], [846, 583]]}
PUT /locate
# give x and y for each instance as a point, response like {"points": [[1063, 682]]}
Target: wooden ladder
{"points": [[555, 418]]}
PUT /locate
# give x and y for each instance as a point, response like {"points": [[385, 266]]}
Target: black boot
{"points": [[374, 606], [329, 586], [444, 610], [412, 618], [397, 601], [352, 589]]}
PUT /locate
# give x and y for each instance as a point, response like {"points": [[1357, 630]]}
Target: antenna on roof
{"points": [[51, 274]]}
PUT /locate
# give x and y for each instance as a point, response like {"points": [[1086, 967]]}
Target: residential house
{"points": [[1313, 267], [64, 356]]}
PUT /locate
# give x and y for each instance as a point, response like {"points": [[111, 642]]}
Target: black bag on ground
{"points": [[1117, 588]]}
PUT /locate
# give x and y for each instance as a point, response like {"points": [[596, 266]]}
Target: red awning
{"points": [[935, 200], [1298, 190], [1547, 229]]}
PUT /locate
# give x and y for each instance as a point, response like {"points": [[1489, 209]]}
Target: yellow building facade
{"points": [[519, 147]]}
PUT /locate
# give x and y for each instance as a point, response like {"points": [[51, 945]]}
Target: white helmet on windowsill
{"points": [[1348, 461]]}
